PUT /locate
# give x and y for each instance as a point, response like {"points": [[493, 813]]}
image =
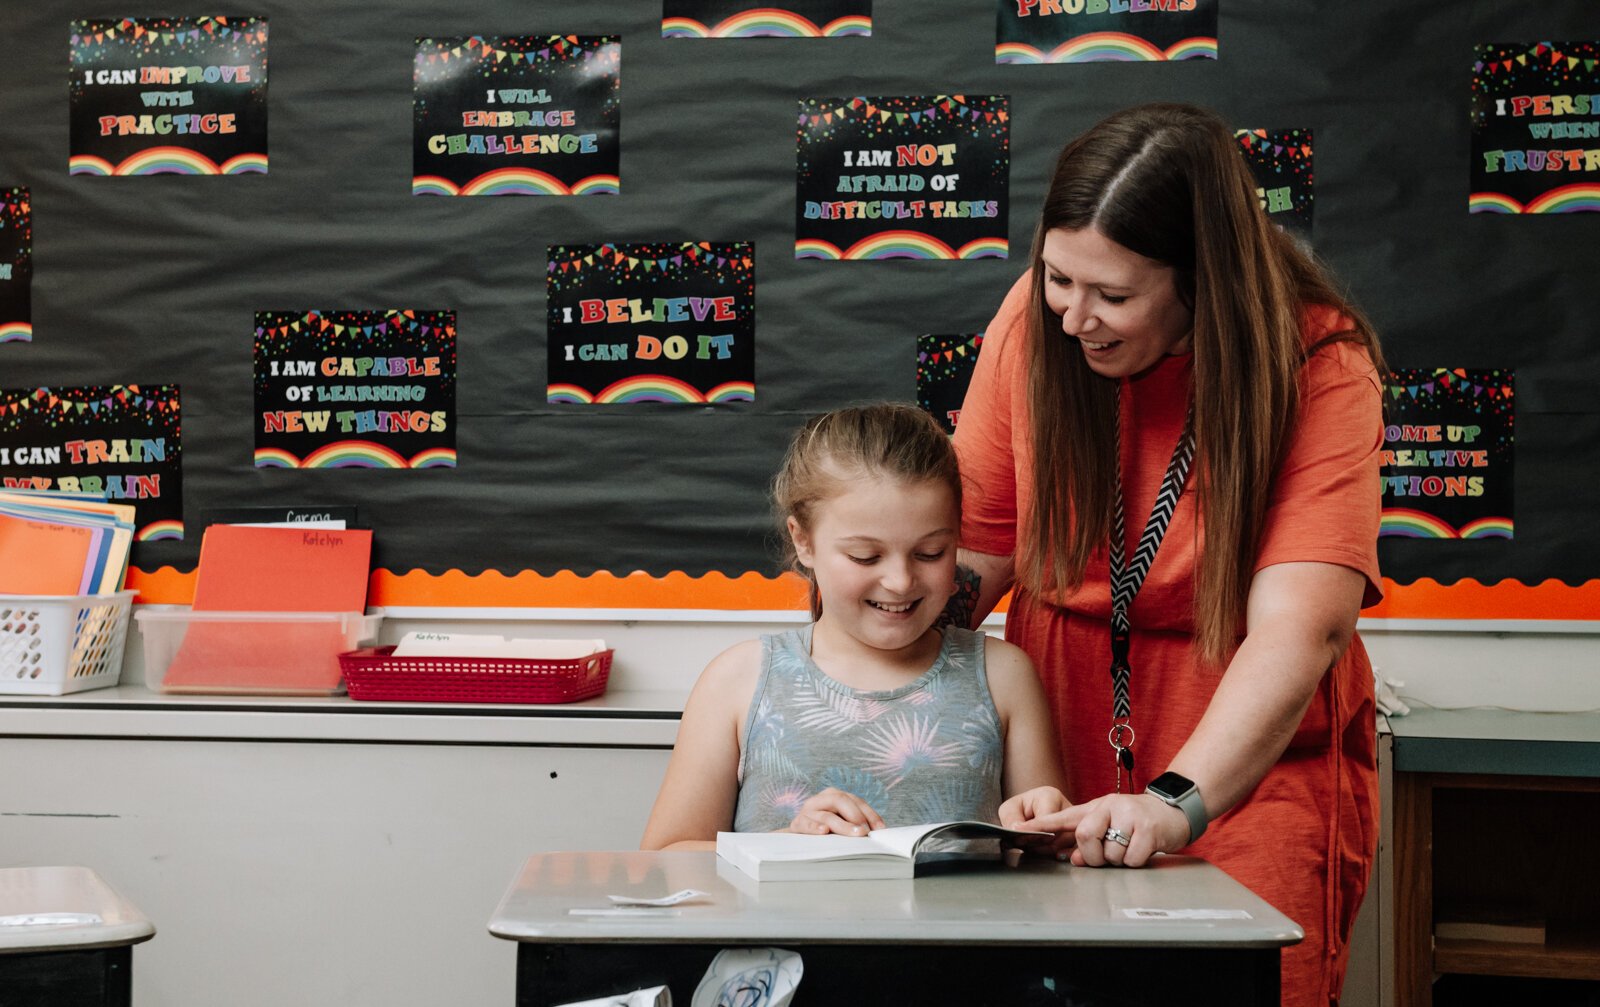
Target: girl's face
{"points": [[884, 556], [1122, 308]]}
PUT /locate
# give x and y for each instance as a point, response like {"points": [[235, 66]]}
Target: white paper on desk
{"points": [[655, 996], [337, 525], [424, 644], [1187, 914]]}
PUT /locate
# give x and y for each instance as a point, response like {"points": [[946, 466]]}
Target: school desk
{"points": [[66, 937], [1180, 931]]}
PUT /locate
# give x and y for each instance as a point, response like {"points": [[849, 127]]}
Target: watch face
{"points": [[1171, 786]]}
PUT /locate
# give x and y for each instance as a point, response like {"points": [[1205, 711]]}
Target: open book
{"points": [[882, 853]]}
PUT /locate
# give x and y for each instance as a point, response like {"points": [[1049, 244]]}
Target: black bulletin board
{"points": [[158, 279]]}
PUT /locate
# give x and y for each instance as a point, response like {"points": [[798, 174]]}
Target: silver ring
{"points": [[1116, 836]]}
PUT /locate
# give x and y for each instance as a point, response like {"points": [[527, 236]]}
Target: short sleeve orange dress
{"points": [[1305, 838]]}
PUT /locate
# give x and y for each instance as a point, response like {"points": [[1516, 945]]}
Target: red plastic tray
{"points": [[374, 673]]}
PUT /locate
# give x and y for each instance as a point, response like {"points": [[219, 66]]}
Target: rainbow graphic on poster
{"points": [[516, 182], [1416, 524], [16, 332], [902, 245], [1580, 197], [355, 454], [169, 161], [1106, 47], [159, 531], [768, 22]]}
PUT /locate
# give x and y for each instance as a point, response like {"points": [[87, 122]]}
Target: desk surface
{"points": [[1499, 742], [1039, 902], [33, 890]]}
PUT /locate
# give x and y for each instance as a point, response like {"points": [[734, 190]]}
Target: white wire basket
{"points": [[53, 645]]}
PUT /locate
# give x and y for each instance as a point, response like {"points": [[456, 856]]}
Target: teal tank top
{"points": [[929, 751]]}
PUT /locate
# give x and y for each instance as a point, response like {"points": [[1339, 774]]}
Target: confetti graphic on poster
{"points": [[1447, 454], [668, 322], [173, 96], [902, 178], [355, 389], [517, 116], [1280, 160], [743, 19], [1536, 128], [16, 265], [944, 369], [1089, 31], [119, 441]]}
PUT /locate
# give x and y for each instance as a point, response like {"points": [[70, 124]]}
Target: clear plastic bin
{"points": [[53, 645], [250, 653]]}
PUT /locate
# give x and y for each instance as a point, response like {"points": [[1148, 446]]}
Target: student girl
{"points": [[872, 716]]}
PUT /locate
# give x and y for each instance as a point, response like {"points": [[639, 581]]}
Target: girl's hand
{"points": [[1023, 811], [835, 811], [1149, 825]]}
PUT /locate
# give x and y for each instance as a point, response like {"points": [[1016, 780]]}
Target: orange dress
{"points": [[1305, 838]]}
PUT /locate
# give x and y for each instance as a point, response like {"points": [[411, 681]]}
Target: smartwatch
{"points": [[1181, 793]]}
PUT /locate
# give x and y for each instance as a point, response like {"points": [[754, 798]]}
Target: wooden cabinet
{"points": [[1496, 818]]}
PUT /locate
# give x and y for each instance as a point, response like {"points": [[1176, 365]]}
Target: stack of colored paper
{"points": [[62, 543]]}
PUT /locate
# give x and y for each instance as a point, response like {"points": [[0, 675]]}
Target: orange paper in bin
{"points": [[293, 658], [374, 673]]}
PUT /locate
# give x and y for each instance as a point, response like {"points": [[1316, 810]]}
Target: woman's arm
{"points": [[982, 580], [701, 787], [1299, 620]]}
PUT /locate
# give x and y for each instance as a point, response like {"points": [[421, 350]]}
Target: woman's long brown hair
{"points": [[1167, 182]]}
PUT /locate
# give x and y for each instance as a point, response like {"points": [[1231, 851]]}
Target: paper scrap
{"points": [[1187, 914], [665, 900]]}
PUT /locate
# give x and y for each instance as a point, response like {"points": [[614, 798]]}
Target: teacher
{"points": [[1169, 452]]}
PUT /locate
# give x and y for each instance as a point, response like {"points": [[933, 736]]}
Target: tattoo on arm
{"points": [[964, 602]]}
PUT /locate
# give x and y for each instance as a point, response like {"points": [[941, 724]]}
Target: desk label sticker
{"points": [[1088, 31], [1447, 453], [1280, 160], [116, 441], [173, 96], [671, 322], [921, 177], [944, 370], [744, 19], [16, 265], [1536, 128], [355, 389], [532, 115]]}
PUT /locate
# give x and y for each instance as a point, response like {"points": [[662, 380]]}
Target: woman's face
{"points": [[1122, 308]]}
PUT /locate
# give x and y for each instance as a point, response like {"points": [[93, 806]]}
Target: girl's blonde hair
{"points": [[886, 439], [1166, 181]]}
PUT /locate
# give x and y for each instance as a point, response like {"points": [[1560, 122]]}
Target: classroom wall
{"points": [[157, 279]]}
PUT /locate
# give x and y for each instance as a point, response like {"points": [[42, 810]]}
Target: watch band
{"points": [[1193, 807]]}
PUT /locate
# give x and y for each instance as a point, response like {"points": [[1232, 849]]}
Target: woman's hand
{"points": [[833, 810], [1148, 824]]}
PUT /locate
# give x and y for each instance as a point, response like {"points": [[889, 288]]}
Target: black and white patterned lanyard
{"points": [[1127, 576]]}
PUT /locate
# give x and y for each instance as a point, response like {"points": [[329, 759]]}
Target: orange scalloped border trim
{"points": [[1423, 599]]}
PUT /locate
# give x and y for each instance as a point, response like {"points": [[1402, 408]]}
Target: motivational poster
{"points": [[786, 19], [1447, 453], [1088, 31], [16, 265], [174, 96], [116, 441], [1536, 128], [903, 178], [533, 115], [1280, 160], [355, 389], [944, 369], [670, 322]]}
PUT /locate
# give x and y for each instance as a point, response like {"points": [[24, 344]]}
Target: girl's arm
{"points": [[1032, 756], [982, 580], [701, 787], [1299, 621]]}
